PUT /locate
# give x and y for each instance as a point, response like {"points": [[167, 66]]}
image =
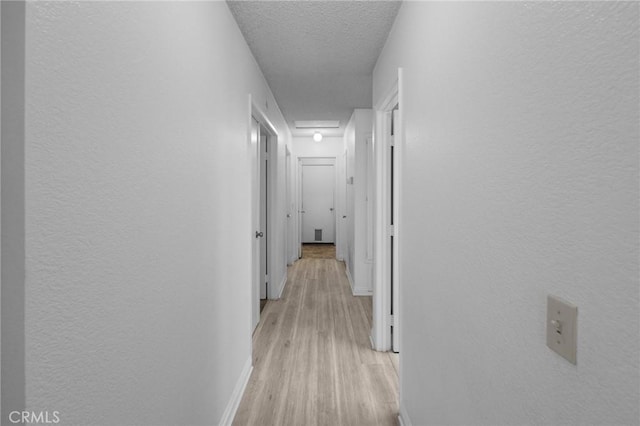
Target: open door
{"points": [[260, 140]]}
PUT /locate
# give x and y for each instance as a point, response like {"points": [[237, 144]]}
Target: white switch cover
{"points": [[562, 327]]}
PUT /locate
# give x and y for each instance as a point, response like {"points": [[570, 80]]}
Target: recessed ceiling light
{"points": [[317, 124], [317, 136]]}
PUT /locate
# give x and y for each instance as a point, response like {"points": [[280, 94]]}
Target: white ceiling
{"points": [[317, 56]]}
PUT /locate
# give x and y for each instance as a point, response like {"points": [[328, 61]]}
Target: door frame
{"points": [[381, 325], [263, 205], [291, 252], [329, 161], [257, 114]]}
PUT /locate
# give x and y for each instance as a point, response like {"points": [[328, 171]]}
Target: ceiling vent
{"points": [[317, 124]]}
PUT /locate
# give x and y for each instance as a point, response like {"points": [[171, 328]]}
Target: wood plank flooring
{"points": [[313, 362], [318, 251]]}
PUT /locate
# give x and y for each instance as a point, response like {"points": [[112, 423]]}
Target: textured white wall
{"points": [[12, 195], [520, 180], [307, 147], [355, 138], [138, 218], [0, 207]]}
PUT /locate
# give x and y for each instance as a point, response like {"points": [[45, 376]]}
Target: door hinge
{"points": [[391, 230], [266, 278], [266, 156], [392, 141], [391, 320]]}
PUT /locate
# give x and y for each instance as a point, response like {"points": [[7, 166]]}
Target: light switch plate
{"points": [[562, 327]]}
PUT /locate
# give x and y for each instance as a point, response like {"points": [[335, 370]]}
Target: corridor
{"points": [[473, 166], [313, 362]]}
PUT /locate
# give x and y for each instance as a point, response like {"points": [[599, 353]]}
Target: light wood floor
{"points": [[313, 362], [319, 251]]}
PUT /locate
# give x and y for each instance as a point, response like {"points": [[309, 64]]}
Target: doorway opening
{"points": [[263, 144], [263, 232], [317, 212]]}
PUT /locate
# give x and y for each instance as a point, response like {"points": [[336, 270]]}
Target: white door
{"points": [[318, 213]]}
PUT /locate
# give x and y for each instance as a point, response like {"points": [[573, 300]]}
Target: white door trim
{"points": [[381, 326], [290, 251]]}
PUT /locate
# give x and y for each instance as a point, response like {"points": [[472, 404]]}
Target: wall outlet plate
{"points": [[562, 327]]}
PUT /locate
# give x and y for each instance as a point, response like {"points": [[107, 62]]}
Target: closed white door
{"points": [[318, 213]]}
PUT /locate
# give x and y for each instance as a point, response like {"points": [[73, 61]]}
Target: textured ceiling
{"points": [[317, 56]]}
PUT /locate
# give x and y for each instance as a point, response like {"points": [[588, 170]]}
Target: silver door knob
{"points": [[259, 234]]}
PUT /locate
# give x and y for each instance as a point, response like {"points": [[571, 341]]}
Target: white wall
{"points": [[307, 147], [328, 147], [358, 130], [138, 210], [0, 206], [520, 180], [13, 205]]}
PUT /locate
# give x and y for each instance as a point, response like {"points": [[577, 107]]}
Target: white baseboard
{"points": [[361, 291], [281, 288], [236, 396], [403, 417], [356, 291], [346, 269], [371, 340]]}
